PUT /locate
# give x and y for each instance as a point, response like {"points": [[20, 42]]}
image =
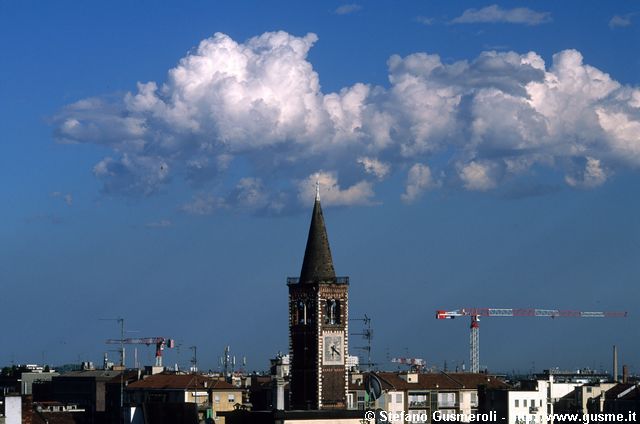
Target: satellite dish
{"points": [[373, 386]]}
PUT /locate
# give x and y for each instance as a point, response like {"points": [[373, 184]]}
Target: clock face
{"points": [[333, 349]]}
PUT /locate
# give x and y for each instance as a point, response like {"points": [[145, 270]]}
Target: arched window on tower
{"points": [[301, 312], [332, 312]]}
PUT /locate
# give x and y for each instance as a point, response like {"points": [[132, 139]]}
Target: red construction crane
{"points": [[476, 313], [160, 343]]}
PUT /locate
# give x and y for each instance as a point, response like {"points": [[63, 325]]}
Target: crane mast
{"points": [[476, 313]]}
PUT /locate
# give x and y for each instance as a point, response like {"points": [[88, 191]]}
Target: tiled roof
{"points": [[180, 381], [437, 381], [97, 374], [129, 375], [632, 394], [620, 388]]}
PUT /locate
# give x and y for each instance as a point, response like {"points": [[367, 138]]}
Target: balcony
{"points": [[418, 403]]}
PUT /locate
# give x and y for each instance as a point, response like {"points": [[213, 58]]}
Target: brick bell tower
{"points": [[318, 325]]}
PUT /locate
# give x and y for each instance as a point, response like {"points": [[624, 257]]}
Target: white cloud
{"points": [[419, 179], [623, 132], [478, 176], [495, 14], [250, 194], [345, 9], [593, 175], [246, 122], [132, 174], [203, 204], [374, 167], [360, 193], [621, 21]]}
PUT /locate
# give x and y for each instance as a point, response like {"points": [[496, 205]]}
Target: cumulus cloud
{"points": [[374, 167], [248, 194], [495, 14], [345, 9], [132, 174], [360, 193], [478, 176], [246, 124], [592, 175], [418, 180]]}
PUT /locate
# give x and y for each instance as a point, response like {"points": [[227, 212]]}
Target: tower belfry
{"points": [[318, 324]]}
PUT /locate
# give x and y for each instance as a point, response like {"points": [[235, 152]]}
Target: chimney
{"points": [[625, 374], [615, 364]]}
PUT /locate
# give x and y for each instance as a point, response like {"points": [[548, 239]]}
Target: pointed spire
{"points": [[317, 264]]}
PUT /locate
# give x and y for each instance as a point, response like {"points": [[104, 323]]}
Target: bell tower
{"points": [[318, 325]]}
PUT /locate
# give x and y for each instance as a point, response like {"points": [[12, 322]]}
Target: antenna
{"points": [[367, 334], [317, 190], [194, 360], [120, 320], [194, 369]]}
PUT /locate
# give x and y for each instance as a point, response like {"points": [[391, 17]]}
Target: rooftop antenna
{"points": [[194, 360], [367, 334], [120, 321], [194, 370]]}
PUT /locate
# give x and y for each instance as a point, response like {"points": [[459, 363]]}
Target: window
{"points": [[231, 398], [589, 389], [301, 312], [524, 403], [417, 400], [216, 398], [517, 403], [399, 398], [332, 312], [446, 399]]}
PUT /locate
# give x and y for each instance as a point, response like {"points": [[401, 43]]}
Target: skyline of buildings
{"points": [[317, 380]]}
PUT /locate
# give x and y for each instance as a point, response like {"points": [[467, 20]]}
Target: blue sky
{"points": [[159, 162]]}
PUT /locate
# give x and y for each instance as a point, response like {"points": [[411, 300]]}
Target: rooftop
{"points": [[438, 381], [180, 381]]}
